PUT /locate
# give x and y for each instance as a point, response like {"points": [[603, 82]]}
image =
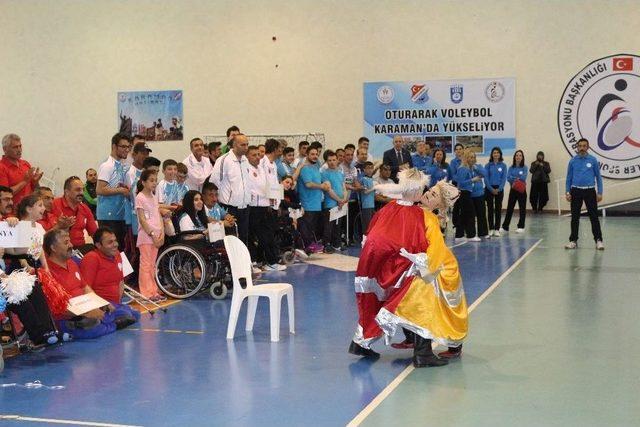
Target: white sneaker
{"points": [[497, 233], [460, 240], [600, 245], [273, 267], [475, 239], [301, 254], [487, 237], [520, 230], [503, 231], [571, 245]]}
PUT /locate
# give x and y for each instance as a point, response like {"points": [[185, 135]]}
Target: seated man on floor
{"points": [[101, 270], [93, 324]]}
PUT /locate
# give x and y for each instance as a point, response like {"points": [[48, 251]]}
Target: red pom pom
{"points": [[57, 297]]}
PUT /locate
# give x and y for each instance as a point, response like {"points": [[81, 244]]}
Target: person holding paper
{"points": [[31, 209], [262, 221], [215, 212], [92, 324], [102, 270], [150, 235], [334, 198], [33, 310]]}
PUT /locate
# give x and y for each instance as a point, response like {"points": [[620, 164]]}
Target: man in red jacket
{"points": [[16, 173], [77, 215]]}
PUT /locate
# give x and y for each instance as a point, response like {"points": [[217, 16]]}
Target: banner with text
{"points": [[478, 113]]}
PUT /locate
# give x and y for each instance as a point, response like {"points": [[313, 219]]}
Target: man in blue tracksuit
{"points": [[583, 175]]}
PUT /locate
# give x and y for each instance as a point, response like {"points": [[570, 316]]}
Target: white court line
{"points": [[55, 421], [459, 244], [404, 374]]}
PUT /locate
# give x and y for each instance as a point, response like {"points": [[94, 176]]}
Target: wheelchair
{"points": [[185, 267], [287, 238]]}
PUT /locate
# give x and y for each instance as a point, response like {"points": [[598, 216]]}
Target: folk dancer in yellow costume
{"points": [[407, 277]]}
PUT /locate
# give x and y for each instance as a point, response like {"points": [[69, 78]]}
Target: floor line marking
{"points": [[503, 276], [57, 421], [367, 410], [459, 244]]}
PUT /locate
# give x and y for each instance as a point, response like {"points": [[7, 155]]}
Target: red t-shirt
{"points": [[69, 277], [12, 174], [49, 219], [84, 219], [103, 274]]}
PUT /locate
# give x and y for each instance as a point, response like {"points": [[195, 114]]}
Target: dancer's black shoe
{"points": [[358, 350], [423, 354]]}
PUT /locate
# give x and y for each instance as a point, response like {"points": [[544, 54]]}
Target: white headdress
{"points": [[410, 186]]}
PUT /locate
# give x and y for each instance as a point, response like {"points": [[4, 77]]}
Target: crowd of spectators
{"points": [[252, 190]]}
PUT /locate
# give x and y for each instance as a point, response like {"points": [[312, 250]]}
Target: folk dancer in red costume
{"points": [[407, 277]]}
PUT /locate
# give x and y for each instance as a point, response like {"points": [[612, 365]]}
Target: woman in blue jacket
{"points": [[478, 199], [495, 179], [467, 177], [517, 177], [439, 169]]}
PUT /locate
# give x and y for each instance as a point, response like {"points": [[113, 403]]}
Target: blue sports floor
{"points": [[177, 369]]}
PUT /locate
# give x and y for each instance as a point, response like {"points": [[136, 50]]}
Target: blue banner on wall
{"points": [[478, 113]]}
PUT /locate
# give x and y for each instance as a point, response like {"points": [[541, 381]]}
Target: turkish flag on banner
{"points": [[622, 64]]}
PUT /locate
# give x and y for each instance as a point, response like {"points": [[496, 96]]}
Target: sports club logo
{"points": [[385, 94], [602, 103], [419, 94], [456, 93], [494, 91]]}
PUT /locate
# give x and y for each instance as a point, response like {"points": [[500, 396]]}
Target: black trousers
{"points": [[119, 228], [35, 315], [455, 213], [466, 217], [311, 226], [330, 230], [480, 211], [514, 197], [262, 225], [366, 216], [588, 196], [494, 206], [242, 221], [539, 195]]}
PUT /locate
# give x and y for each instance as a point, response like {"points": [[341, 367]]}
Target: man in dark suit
{"points": [[398, 158]]}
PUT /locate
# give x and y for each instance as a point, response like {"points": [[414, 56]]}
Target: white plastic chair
{"points": [[241, 269]]}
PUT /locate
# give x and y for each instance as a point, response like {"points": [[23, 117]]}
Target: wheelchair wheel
{"points": [[180, 271], [218, 291], [288, 257]]}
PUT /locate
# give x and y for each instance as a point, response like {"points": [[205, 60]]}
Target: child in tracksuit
{"points": [[336, 196], [367, 197]]}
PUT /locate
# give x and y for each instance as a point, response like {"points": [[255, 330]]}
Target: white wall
{"points": [[63, 62]]}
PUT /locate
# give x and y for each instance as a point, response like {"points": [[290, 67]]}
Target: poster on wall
{"points": [[478, 113], [156, 115], [602, 104]]}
